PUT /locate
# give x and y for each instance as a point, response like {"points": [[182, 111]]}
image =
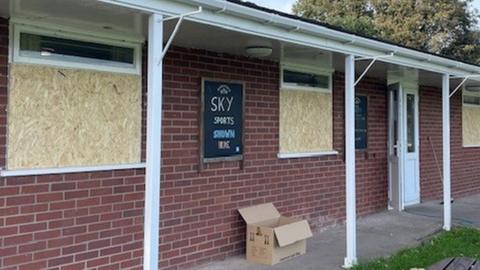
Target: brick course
{"points": [[465, 169], [95, 220]]}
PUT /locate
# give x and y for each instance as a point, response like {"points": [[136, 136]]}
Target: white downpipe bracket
{"points": [[177, 26], [374, 59], [447, 209], [350, 193], [154, 144]]}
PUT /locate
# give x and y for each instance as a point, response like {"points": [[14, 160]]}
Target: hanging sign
{"points": [[222, 120], [361, 125]]}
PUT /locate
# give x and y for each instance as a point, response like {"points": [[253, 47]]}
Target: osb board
{"points": [[305, 121], [67, 117], [471, 126]]}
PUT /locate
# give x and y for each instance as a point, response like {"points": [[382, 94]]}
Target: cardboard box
{"points": [[272, 238]]}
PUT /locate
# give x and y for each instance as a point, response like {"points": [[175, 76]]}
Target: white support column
{"points": [[447, 208], [351, 234], [154, 143]]}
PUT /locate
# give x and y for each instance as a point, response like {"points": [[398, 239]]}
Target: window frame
{"points": [[16, 56], [471, 94], [306, 69], [290, 87]]}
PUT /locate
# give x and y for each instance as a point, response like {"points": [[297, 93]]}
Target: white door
{"points": [[411, 169], [403, 160], [394, 151]]}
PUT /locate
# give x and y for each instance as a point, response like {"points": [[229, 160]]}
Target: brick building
{"points": [[84, 87]]}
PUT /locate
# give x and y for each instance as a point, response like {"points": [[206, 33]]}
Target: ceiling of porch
{"points": [[103, 18]]}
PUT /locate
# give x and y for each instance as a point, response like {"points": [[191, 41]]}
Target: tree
{"points": [[438, 26]]}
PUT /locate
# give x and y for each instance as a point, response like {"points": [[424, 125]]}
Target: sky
{"points": [[286, 5]]}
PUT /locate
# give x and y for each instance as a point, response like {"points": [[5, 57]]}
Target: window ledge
{"points": [[26, 172], [307, 154], [471, 146]]}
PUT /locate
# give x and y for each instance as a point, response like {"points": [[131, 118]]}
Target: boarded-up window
{"points": [[69, 117], [305, 121], [305, 113], [471, 120]]}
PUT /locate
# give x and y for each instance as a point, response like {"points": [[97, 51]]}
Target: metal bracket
{"points": [[374, 59], [180, 18], [465, 78], [459, 86], [222, 9]]}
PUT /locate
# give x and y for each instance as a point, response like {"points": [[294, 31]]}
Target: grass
{"points": [[460, 242]]}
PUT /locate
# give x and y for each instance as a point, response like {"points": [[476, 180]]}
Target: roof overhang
{"points": [[246, 20]]}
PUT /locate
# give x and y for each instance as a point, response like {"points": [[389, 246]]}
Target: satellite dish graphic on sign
{"points": [[224, 89]]}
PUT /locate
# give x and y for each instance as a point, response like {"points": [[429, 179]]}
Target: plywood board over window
{"points": [[305, 121], [69, 117], [471, 125]]}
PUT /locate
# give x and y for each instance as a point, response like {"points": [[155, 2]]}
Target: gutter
{"points": [[301, 26], [218, 10]]}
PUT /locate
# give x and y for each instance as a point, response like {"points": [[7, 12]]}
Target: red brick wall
{"points": [[199, 210], [71, 221], [96, 218], [465, 169], [430, 106]]}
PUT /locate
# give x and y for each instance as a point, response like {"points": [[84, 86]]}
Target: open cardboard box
{"points": [[272, 238]]}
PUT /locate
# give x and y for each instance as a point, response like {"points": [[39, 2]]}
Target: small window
{"points": [[53, 47], [299, 79], [49, 47], [411, 123], [471, 100], [306, 79]]}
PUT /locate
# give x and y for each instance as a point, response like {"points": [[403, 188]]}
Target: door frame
{"points": [[398, 192], [407, 89]]}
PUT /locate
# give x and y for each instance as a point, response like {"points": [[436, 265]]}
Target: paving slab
{"points": [[465, 211], [378, 235]]}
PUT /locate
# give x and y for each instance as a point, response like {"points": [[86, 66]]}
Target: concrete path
{"points": [[465, 211], [379, 235]]}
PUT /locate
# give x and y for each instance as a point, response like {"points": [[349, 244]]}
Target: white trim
{"points": [[306, 69], [71, 62], [471, 145], [25, 172], [407, 155], [447, 196], [350, 181], [123, 36], [151, 222], [264, 24], [306, 154], [471, 105]]}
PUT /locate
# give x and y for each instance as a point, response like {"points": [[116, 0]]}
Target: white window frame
{"points": [[290, 87], [306, 69], [471, 94], [99, 65]]}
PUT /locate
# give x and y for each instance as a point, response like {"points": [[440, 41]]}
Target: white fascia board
{"points": [[246, 20]]}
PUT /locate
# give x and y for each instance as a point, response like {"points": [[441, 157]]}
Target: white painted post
{"points": [[154, 143], [351, 220], [447, 208]]}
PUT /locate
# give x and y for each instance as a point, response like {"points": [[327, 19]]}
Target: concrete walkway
{"points": [[379, 235], [465, 211]]}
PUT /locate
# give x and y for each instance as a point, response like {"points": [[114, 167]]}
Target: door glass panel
{"points": [[411, 123]]}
